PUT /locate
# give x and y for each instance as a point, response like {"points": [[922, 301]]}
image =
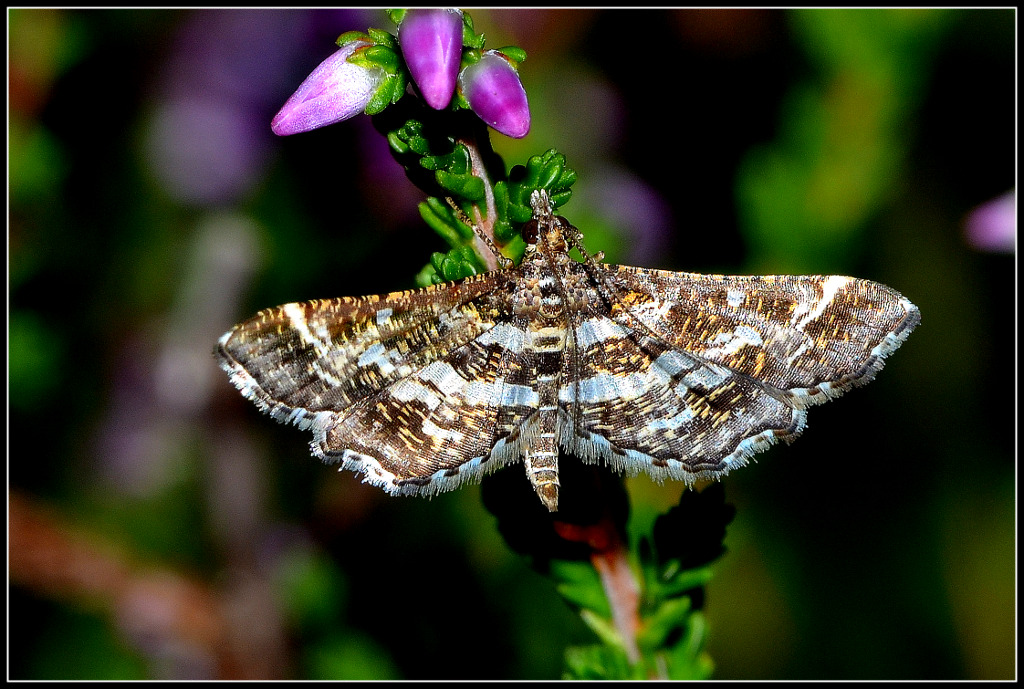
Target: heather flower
{"points": [[431, 42], [492, 88], [992, 226], [336, 90]]}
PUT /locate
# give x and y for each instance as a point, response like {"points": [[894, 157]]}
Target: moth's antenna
{"points": [[503, 261]]}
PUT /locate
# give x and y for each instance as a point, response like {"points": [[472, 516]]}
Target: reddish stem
{"points": [[156, 607], [484, 221], [609, 557]]}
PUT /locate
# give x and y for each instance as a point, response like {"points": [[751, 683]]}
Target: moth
{"points": [[680, 375]]}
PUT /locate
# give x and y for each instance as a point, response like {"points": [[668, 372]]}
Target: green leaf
{"points": [[428, 276], [397, 144], [382, 38], [597, 662], [455, 161], [560, 198], [503, 232], [458, 263], [580, 585], [351, 36], [514, 53], [602, 627], [460, 100], [670, 615], [696, 632], [551, 172], [441, 219], [547, 171], [469, 37], [382, 56], [677, 581], [466, 186], [687, 659]]}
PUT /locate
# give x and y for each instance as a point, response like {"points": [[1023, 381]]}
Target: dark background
{"points": [[161, 528]]}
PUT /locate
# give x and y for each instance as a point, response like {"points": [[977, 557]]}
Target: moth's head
{"points": [[545, 227], [548, 231]]}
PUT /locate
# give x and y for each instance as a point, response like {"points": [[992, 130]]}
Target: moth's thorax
{"points": [[553, 285], [541, 303]]}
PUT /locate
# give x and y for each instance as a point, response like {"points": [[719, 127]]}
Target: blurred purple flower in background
{"points": [[205, 140], [625, 201], [992, 226], [206, 146], [496, 94], [205, 150], [431, 42], [336, 90]]}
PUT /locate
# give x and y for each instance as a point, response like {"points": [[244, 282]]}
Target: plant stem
{"points": [[485, 221], [609, 557]]}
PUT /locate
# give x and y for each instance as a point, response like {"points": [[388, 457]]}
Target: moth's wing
{"points": [[812, 336], [300, 359], [637, 402], [450, 422], [373, 377]]}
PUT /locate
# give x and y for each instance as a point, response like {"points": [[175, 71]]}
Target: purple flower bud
{"points": [[336, 90], [495, 94], [431, 42]]}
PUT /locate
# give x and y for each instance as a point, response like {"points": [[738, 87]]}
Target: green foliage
{"points": [[314, 595], [396, 14], [454, 265], [83, 646], [598, 662], [470, 38], [312, 589], [672, 566], [443, 219], [579, 584], [462, 261], [809, 194], [33, 359], [669, 567], [454, 173], [547, 171], [434, 148], [515, 54]]}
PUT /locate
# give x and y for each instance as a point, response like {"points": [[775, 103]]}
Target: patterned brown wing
{"points": [[638, 402], [811, 336], [447, 423], [298, 360], [419, 390]]}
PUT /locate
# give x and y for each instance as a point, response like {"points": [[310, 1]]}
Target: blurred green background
{"points": [[161, 528]]}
